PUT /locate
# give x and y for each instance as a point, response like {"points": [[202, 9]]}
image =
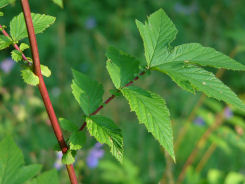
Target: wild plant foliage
{"points": [[183, 64]]}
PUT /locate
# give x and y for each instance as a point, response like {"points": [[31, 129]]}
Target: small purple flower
{"points": [[94, 155], [7, 65], [90, 23], [199, 121], [58, 163], [228, 113]]}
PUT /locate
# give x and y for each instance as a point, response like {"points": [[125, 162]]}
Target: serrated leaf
{"points": [[18, 27], [122, 67], [24, 46], [69, 157], [29, 77], [195, 53], [68, 125], [45, 71], [4, 42], [152, 111], [201, 80], [77, 140], [106, 132], [47, 177], [87, 92], [16, 55], [58, 2], [157, 34], [11, 161], [27, 172]]}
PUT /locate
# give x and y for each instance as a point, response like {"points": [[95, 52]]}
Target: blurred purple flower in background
{"points": [[90, 23], [7, 65], [228, 113], [58, 163], [185, 9], [199, 121], [94, 155]]}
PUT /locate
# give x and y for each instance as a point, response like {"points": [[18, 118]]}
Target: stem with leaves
{"points": [[111, 98], [43, 89]]}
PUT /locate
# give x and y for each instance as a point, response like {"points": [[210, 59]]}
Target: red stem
{"points": [[110, 99], [42, 87], [15, 45]]}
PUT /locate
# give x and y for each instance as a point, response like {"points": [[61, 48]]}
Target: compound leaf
{"points": [[87, 92], [121, 67], [157, 34], [18, 27], [201, 80], [204, 56], [152, 111], [106, 132]]}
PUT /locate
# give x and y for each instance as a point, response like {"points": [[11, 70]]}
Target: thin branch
{"points": [[110, 99], [15, 45], [42, 87]]}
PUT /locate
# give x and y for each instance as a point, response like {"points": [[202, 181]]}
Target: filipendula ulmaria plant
{"points": [[182, 63]]}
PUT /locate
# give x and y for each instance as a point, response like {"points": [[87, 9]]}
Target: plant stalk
{"points": [[42, 87]]}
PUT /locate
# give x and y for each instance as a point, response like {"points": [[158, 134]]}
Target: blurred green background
{"points": [[83, 31]]}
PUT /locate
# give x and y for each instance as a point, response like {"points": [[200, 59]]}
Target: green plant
{"points": [[183, 63]]}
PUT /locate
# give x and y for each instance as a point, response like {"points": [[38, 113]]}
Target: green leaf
{"points": [[27, 172], [152, 111], [157, 34], [59, 3], [47, 177], [11, 161], [18, 27], [4, 3], [45, 71], [87, 92], [122, 67], [4, 42], [29, 77], [24, 46], [1, 14], [201, 80], [16, 55], [69, 157], [106, 132], [77, 140], [204, 56], [68, 125]]}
